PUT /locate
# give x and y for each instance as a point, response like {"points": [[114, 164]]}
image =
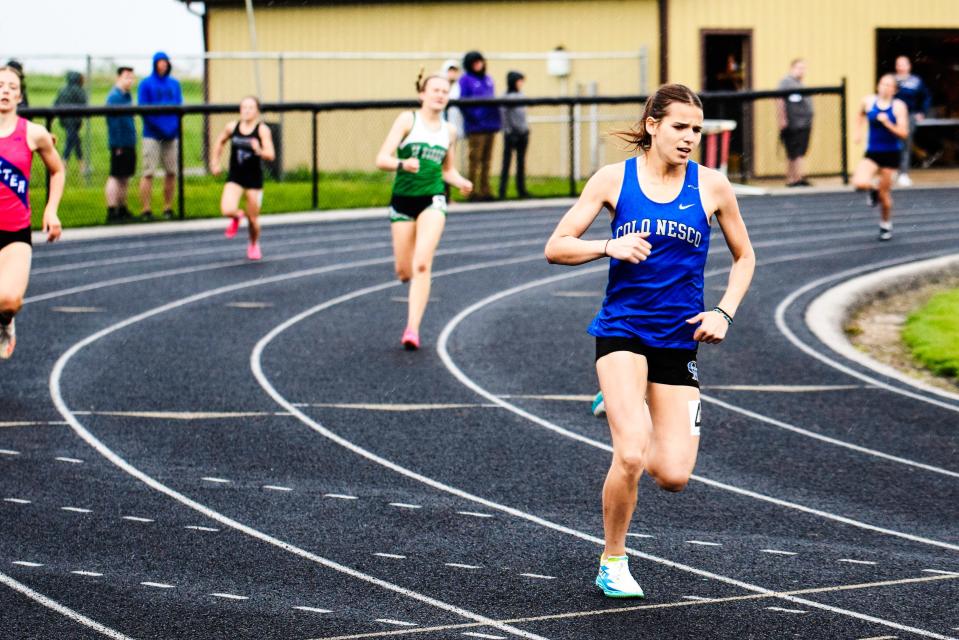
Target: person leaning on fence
{"points": [[913, 92], [515, 136], [72, 94], [795, 114], [122, 139], [480, 123], [161, 134]]}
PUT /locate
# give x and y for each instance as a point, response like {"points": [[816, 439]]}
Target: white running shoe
{"points": [[615, 580], [8, 339], [904, 180]]}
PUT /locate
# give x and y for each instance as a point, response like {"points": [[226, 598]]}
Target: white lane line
{"points": [[216, 480], [229, 596], [313, 609], [780, 317], [395, 556], [474, 634], [778, 552], [16, 500], [785, 610], [92, 574], [31, 423], [196, 527], [76, 509], [59, 608], [177, 415], [942, 573], [339, 496], [8, 452], [475, 514], [822, 438], [639, 535], [678, 604], [158, 585], [457, 565], [70, 460], [249, 305], [274, 487], [880, 638], [696, 598], [57, 396], [76, 309], [785, 388], [443, 352], [538, 576], [550, 396], [578, 294], [703, 543], [851, 561], [26, 563], [404, 505], [393, 407], [398, 623], [137, 519]]}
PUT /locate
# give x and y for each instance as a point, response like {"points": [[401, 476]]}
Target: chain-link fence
{"points": [[326, 151]]}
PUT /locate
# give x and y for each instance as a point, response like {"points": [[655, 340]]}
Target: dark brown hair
{"points": [[12, 69], [655, 108], [255, 100]]}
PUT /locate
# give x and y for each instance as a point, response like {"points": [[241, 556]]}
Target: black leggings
{"points": [[514, 142]]}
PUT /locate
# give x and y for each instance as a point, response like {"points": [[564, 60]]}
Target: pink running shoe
{"points": [[233, 227], [410, 340], [253, 251]]}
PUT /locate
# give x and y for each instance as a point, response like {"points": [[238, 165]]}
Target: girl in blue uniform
{"points": [[653, 318], [888, 123]]}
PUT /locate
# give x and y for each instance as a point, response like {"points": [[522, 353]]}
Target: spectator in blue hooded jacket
{"points": [[161, 134], [480, 123]]}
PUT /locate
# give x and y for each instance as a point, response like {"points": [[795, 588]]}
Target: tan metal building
{"points": [[627, 46]]}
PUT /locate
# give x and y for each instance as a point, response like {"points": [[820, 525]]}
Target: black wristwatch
{"points": [[399, 166]]}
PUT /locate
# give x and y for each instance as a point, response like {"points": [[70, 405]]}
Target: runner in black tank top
{"points": [[247, 151]]}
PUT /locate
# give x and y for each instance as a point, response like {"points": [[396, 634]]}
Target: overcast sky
{"points": [[129, 31]]}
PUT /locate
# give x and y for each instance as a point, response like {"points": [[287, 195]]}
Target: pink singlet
{"points": [[15, 161]]}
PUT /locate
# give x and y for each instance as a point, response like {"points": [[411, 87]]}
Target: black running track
{"points": [[193, 446]]}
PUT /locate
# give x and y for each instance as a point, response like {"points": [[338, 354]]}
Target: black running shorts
{"points": [[796, 142], [885, 159], [123, 161], [665, 366], [9, 237]]}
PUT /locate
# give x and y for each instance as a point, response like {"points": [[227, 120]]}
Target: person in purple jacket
{"points": [[480, 123], [161, 134]]}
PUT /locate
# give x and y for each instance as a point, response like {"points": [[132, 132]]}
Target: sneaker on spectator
{"points": [[904, 180]]}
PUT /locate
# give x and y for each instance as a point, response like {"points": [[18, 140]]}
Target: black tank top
{"points": [[245, 167]]}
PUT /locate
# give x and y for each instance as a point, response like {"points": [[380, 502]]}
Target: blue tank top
{"points": [[880, 138], [653, 299]]}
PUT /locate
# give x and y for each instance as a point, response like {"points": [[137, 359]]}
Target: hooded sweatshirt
{"points": [[514, 118], [478, 85], [71, 94], [160, 89]]}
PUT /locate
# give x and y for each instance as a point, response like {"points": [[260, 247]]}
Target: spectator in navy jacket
{"points": [[161, 134], [480, 123], [122, 139], [912, 91]]}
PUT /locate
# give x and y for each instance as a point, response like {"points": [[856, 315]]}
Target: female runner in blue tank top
{"points": [[653, 318], [888, 123]]}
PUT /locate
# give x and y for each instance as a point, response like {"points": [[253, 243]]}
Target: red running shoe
{"points": [[410, 340]]}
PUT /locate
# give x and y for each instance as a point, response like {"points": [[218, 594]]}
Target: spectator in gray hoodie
{"points": [[72, 94], [515, 136]]}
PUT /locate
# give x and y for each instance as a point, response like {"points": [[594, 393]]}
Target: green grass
{"points": [[932, 333], [83, 198]]}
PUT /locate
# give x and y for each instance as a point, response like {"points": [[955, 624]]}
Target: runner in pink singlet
{"points": [[19, 139]]}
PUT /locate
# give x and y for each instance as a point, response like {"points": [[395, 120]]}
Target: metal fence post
{"points": [[572, 151], [316, 170], [50, 129], [179, 167], [843, 151]]}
